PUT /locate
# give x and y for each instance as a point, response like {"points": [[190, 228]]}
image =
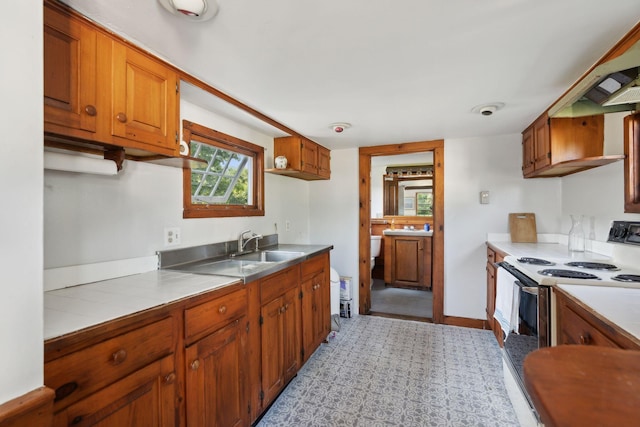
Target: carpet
{"points": [[389, 372]]}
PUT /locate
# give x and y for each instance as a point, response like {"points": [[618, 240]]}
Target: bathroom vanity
{"points": [[407, 258]]}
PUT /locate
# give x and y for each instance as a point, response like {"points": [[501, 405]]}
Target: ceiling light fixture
{"points": [[487, 109], [340, 127], [193, 10]]}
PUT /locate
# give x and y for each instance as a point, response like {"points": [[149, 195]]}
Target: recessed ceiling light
{"points": [[487, 109]]}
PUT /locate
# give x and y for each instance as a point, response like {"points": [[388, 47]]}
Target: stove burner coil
{"points": [[568, 274], [534, 261], [627, 278], [593, 265]]}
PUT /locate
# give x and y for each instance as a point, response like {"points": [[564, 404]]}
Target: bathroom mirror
{"points": [[402, 185]]}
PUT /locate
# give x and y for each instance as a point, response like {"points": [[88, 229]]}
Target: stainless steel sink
{"points": [[270, 256], [228, 267]]}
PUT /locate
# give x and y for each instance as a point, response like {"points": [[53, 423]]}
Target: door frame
{"points": [[364, 184]]}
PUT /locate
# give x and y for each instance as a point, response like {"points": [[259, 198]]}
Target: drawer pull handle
{"points": [[65, 390], [90, 110], [122, 117], [119, 356], [222, 309], [585, 339], [195, 365], [170, 378], [77, 420]]}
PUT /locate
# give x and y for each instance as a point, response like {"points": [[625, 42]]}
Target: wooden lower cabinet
{"points": [[147, 397], [216, 380], [493, 256], [316, 304], [280, 334], [576, 323], [408, 261]]}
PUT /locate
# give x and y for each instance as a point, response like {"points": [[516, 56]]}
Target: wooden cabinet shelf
{"points": [[305, 159]]}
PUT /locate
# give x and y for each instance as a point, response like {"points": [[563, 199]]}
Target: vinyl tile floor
{"points": [[407, 302], [388, 372]]}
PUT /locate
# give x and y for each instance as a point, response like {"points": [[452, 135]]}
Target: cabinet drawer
{"points": [[78, 374], [313, 266], [212, 315], [575, 330], [279, 283]]}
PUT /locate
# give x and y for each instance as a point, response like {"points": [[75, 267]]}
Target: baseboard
{"points": [[32, 409], [464, 322]]}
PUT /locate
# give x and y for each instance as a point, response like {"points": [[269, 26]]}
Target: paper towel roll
{"points": [[79, 163], [184, 148]]}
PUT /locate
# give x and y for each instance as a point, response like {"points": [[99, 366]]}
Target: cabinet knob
{"points": [[170, 378], [90, 110], [222, 309], [195, 365], [281, 310], [119, 356], [585, 339], [122, 117]]}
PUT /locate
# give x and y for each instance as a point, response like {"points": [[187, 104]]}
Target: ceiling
{"points": [[410, 70]]}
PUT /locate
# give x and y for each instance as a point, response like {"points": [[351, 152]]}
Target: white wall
{"points": [[493, 164], [21, 190], [92, 218], [334, 214]]}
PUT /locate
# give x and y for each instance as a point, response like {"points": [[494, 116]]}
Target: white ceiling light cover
{"points": [[193, 10]]}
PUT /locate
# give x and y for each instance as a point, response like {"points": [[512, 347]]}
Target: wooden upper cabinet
{"points": [[70, 103], [562, 146], [632, 163], [137, 105], [144, 100], [305, 159]]}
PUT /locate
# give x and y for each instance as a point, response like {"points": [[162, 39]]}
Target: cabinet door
{"points": [[324, 162], [542, 147], [144, 101], [527, 152], [409, 260], [146, 398], [291, 334], [272, 350], [309, 157], [69, 75], [216, 378]]}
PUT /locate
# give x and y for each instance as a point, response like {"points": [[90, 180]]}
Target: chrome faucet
{"points": [[242, 243]]}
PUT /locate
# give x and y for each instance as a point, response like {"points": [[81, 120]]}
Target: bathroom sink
{"points": [[406, 232], [270, 256]]}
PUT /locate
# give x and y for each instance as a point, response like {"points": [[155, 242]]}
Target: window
{"points": [[425, 204], [229, 181]]}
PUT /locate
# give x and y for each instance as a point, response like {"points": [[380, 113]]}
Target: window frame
{"points": [[226, 142]]}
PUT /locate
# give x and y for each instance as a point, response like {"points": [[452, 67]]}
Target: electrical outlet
{"points": [[287, 225], [172, 236]]}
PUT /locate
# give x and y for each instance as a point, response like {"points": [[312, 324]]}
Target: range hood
{"points": [[610, 87]]}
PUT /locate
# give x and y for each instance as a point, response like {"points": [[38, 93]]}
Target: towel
{"points": [[507, 302]]}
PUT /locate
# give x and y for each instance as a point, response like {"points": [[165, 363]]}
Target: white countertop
{"points": [[619, 305], [72, 309]]}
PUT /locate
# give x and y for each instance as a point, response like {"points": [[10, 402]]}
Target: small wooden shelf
{"points": [[293, 173]]}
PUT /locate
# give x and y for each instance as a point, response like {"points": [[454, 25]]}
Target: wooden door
{"points": [[408, 260], [272, 350], [291, 334], [146, 398], [70, 105], [145, 101], [216, 380], [527, 152], [542, 150], [309, 156], [324, 162]]}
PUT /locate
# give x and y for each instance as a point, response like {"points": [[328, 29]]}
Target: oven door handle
{"points": [[533, 290]]}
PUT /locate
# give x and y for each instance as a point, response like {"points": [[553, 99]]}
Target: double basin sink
{"points": [[249, 266]]}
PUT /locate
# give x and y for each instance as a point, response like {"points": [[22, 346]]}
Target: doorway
{"points": [[365, 155]]}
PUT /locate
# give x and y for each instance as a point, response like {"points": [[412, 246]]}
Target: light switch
{"points": [[484, 197]]}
